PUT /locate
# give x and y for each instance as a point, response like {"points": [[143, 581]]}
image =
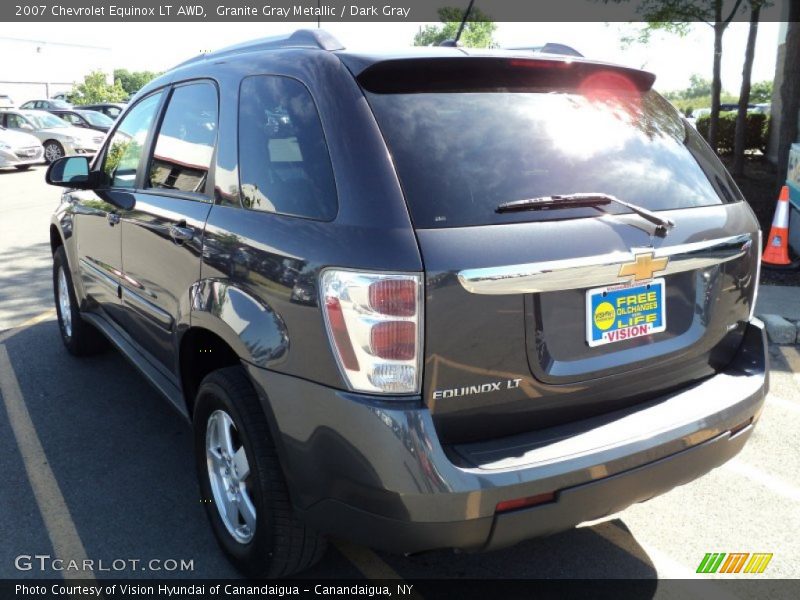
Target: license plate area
{"points": [[625, 312]]}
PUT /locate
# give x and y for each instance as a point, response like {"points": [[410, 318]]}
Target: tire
{"points": [[22, 167], [52, 151], [79, 337], [278, 544]]}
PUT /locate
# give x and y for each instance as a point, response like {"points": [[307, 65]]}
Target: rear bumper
{"points": [[377, 474]]}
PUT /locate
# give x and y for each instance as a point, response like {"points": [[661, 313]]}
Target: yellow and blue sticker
{"points": [[614, 314]]}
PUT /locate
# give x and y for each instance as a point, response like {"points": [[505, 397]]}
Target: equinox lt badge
{"points": [[494, 386]]}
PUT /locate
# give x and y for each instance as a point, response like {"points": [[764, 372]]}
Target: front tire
{"points": [[79, 337], [242, 483], [52, 151]]}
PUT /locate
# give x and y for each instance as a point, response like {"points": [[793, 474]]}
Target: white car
{"points": [[20, 150], [58, 137]]}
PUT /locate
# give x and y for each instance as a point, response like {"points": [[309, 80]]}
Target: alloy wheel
{"points": [[229, 475]]}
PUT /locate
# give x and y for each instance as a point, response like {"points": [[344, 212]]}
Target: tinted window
{"points": [[127, 143], [96, 118], [14, 121], [185, 143], [459, 155], [284, 165]]}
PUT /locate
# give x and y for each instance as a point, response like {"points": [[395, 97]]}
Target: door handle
{"points": [[180, 234], [113, 218]]}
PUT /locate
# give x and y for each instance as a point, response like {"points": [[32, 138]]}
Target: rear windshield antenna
{"points": [[454, 42]]}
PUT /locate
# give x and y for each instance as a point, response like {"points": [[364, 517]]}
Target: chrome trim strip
{"points": [[147, 308], [593, 271], [97, 274]]}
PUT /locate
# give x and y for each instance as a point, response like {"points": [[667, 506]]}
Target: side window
{"points": [[14, 121], [71, 117], [185, 143], [284, 164], [127, 143]]}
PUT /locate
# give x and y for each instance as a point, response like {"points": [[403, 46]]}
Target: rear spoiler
{"points": [[483, 73]]}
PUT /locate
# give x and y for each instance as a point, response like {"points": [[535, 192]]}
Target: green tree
{"points": [[698, 87], [133, 81], [676, 16], [761, 91], [95, 89], [477, 33]]}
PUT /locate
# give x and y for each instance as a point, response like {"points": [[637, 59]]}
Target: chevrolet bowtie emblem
{"points": [[643, 267]]}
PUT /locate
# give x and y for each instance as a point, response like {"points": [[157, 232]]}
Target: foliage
{"points": [[755, 132], [95, 89], [698, 87], [133, 81], [761, 92], [477, 32], [688, 105]]}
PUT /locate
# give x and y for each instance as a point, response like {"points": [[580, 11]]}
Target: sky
{"points": [[159, 46]]}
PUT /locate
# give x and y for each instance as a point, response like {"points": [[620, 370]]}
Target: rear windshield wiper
{"points": [[593, 200]]}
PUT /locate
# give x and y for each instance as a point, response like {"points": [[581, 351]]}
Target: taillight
{"points": [[374, 322]]}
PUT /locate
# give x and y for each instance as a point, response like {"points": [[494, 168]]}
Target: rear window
{"points": [[459, 154]]}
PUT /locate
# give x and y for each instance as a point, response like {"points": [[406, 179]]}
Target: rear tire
{"points": [[231, 438], [79, 337]]}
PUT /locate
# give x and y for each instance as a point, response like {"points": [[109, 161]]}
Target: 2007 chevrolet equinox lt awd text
{"points": [[435, 299]]}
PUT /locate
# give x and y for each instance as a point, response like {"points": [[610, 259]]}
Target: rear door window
{"points": [[284, 165], [461, 154]]}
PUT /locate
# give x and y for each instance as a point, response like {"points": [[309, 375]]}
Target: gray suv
{"points": [[442, 299]]}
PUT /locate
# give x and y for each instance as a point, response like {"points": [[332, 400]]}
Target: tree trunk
{"points": [[790, 92], [716, 80], [744, 94]]}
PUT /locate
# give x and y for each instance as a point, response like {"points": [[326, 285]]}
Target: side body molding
{"points": [[254, 330]]}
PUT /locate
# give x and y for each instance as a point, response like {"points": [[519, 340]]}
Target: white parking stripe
{"points": [[774, 484], [60, 527]]}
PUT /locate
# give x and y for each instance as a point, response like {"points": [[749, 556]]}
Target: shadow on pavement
{"points": [[26, 283], [123, 460]]}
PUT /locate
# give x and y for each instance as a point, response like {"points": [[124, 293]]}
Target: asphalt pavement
{"points": [[95, 464]]}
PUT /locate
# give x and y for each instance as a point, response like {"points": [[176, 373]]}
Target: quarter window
{"points": [[284, 163], [127, 144], [185, 144]]}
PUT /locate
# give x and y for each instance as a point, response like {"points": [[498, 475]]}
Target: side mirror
{"points": [[27, 126], [69, 171]]}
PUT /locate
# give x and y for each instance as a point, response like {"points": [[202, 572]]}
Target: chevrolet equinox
{"points": [[442, 298]]}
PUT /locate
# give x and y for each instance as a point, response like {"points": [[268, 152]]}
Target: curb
{"points": [[780, 330]]}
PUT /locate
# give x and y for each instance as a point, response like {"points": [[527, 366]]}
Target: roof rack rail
{"points": [[550, 48], [302, 38]]}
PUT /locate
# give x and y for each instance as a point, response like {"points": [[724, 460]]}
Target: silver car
{"points": [[58, 137], [20, 150]]}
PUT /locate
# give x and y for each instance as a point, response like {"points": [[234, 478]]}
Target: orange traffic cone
{"points": [[777, 249]]}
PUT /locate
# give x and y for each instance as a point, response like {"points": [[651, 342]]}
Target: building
{"points": [[38, 69]]}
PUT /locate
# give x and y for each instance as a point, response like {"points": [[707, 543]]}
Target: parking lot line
{"points": [[774, 484], [45, 316], [61, 529], [370, 564]]}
